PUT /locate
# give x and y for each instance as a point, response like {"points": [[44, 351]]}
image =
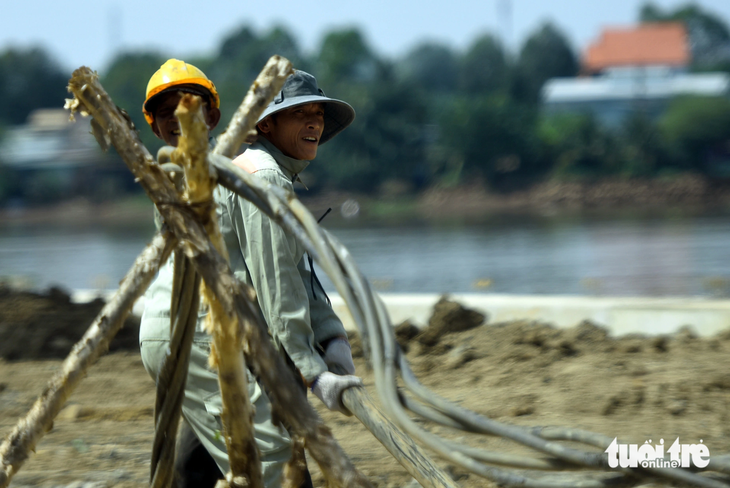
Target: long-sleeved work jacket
{"points": [[265, 256]]}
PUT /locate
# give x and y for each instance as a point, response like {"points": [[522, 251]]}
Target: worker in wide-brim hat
{"points": [[291, 129], [301, 89]]}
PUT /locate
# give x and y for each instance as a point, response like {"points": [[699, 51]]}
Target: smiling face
{"points": [[166, 126], [296, 131]]}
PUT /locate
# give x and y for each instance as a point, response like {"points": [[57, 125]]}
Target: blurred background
{"points": [[502, 146]]}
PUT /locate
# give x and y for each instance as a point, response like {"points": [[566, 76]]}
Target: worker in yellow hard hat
{"points": [[201, 457], [164, 91], [193, 465]]}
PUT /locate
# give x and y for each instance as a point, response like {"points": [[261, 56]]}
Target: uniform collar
{"points": [[292, 166]]}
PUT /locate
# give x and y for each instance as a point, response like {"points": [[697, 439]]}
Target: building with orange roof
{"points": [[657, 44], [633, 69]]}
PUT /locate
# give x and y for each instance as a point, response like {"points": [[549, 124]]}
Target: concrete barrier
{"points": [[88, 295], [620, 316], [650, 316]]}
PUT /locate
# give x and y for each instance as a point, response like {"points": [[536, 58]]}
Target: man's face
{"points": [[166, 126], [296, 131]]}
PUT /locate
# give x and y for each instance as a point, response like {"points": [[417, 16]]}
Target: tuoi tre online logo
{"points": [[653, 456]]}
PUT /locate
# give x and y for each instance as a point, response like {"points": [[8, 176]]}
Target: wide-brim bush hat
{"points": [[301, 88]]}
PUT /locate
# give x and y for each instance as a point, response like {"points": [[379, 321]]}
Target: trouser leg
{"points": [[307, 483], [194, 466], [296, 468], [202, 407]]}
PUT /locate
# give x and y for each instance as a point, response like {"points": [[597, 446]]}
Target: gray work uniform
{"points": [[270, 259]]}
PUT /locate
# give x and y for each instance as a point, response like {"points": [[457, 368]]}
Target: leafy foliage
{"points": [[126, 82], [29, 80], [435, 116], [240, 58], [431, 67], [546, 54], [489, 137], [485, 67], [643, 147], [385, 141], [709, 35], [577, 145], [346, 59], [697, 127]]}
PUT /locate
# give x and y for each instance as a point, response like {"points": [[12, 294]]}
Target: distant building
{"points": [[49, 140], [54, 159], [630, 70], [647, 45]]}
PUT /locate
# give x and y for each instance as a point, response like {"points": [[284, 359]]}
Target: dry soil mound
{"points": [[46, 325]]}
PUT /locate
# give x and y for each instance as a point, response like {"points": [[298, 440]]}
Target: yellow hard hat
{"points": [[176, 73]]}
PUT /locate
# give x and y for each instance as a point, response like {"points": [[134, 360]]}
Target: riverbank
{"points": [[686, 193], [680, 192]]}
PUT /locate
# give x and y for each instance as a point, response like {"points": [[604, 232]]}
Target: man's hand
{"points": [[338, 353], [328, 387]]}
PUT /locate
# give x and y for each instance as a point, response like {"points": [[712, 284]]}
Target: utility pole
{"points": [[114, 32], [504, 18]]}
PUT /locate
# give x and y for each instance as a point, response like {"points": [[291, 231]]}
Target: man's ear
{"points": [[212, 118], [156, 129], [265, 125]]}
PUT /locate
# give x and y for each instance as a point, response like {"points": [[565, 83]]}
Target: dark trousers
{"points": [[195, 468]]}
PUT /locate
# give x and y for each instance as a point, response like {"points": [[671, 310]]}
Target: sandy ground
{"points": [[525, 373]]}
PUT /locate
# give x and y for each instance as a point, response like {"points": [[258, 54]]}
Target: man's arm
{"points": [[270, 255], [329, 333], [325, 322]]}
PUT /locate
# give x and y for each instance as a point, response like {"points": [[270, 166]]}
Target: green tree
{"points": [[649, 12], [10, 186], [696, 128], [546, 54], [126, 82], [642, 146], [238, 44], [577, 145], [386, 141], [484, 68], [430, 66], [29, 80], [346, 59], [489, 137], [241, 56], [382, 141], [709, 35]]}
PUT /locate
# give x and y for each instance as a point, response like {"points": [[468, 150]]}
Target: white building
{"points": [[629, 70], [622, 91]]}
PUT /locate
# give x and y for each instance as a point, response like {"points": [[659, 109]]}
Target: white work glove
{"points": [[328, 387], [338, 353]]}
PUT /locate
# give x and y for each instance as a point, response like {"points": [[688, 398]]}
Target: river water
{"points": [[608, 255]]}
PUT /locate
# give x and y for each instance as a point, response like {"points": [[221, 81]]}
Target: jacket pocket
{"points": [[214, 401]]}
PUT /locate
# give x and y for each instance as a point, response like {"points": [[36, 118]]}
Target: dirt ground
{"points": [[526, 373]]}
